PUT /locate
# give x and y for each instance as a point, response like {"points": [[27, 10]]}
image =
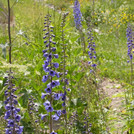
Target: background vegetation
{"points": [[109, 20]]}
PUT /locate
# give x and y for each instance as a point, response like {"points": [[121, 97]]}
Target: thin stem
{"points": [[54, 13], [82, 39], [9, 31], [131, 81]]}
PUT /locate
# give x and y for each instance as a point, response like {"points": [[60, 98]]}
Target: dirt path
{"points": [[115, 93]]}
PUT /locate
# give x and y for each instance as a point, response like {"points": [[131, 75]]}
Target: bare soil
{"points": [[114, 91]]}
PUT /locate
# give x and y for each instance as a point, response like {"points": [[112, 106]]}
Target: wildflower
{"points": [[64, 111], [45, 77], [56, 55], [91, 52], [48, 90], [47, 103], [50, 69], [43, 116], [33, 113], [43, 95], [87, 126], [49, 108], [52, 73], [58, 112], [78, 24], [56, 96], [53, 133], [56, 65], [130, 41], [77, 14], [63, 65], [11, 115], [55, 117]]}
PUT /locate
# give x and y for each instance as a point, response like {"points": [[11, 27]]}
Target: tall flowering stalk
{"points": [[51, 75], [91, 52], [33, 113], [11, 116], [130, 43], [87, 125], [93, 65], [64, 79], [77, 19], [77, 14]]}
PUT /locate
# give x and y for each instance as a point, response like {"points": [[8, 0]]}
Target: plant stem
{"points": [[9, 31], [131, 81], [82, 39]]}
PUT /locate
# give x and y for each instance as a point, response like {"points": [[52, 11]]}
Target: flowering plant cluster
{"points": [[34, 114], [65, 81], [77, 14], [91, 52], [11, 116], [87, 125], [52, 76], [130, 42]]}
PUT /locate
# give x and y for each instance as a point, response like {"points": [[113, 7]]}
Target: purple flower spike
{"points": [[11, 115], [91, 52], [77, 14], [50, 69], [130, 41]]}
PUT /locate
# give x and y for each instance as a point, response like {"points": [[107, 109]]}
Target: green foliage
{"points": [[109, 21]]}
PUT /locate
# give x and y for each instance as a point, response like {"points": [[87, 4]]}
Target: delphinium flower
{"points": [[91, 52], [12, 112], [64, 78], [34, 114], [51, 78], [130, 42], [72, 122], [77, 14], [87, 125], [77, 19], [93, 65]]}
